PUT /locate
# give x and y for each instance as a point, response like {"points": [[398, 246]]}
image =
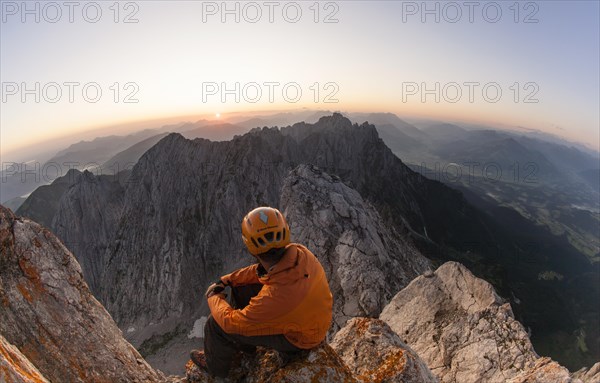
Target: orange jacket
{"points": [[295, 300]]}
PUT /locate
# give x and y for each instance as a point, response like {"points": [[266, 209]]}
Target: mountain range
{"points": [[150, 239]]}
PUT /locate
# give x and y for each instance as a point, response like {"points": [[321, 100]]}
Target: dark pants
{"points": [[220, 348]]}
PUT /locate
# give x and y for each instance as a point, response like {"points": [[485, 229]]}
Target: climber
{"points": [[282, 302]]}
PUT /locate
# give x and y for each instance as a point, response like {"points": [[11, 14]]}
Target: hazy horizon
{"points": [[51, 146]]}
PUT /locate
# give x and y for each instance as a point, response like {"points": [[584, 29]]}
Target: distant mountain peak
{"points": [[336, 119]]}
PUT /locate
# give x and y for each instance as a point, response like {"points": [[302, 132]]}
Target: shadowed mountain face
{"points": [[86, 220], [390, 119], [177, 225], [43, 203], [592, 177], [128, 157]]}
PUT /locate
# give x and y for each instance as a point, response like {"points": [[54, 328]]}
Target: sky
{"points": [[90, 64]]}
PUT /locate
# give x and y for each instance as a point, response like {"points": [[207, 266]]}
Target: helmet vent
{"points": [[278, 238], [254, 242], [284, 233], [269, 236], [260, 241]]}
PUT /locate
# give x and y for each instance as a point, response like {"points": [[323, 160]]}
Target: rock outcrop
{"points": [[375, 354], [366, 261], [321, 364], [15, 367], [49, 314], [465, 332]]}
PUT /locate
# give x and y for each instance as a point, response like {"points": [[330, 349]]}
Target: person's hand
{"points": [[215, 288]]}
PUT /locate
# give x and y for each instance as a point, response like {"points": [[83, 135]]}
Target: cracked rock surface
{"points": [[545, 370], [465, 332], [15, 367], [375, 354], [366, 261]]}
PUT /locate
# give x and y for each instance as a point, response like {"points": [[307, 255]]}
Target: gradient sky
{"points": [[372, 53]]}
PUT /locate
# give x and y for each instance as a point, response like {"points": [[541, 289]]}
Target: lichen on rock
{"points": [[15, 367], [321, 364], [375, 354]]}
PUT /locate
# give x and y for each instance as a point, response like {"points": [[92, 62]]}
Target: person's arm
{"points": [[241, 277], [255, 319]]}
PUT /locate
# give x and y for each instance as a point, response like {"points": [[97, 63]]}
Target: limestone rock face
{"points": [[88, 213], [15, 367], [366, 261], [375, 354], [50, 315], [321, 364], [465, 332]]}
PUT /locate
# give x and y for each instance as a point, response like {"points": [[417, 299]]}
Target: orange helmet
{"points": [[263, 229]]}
